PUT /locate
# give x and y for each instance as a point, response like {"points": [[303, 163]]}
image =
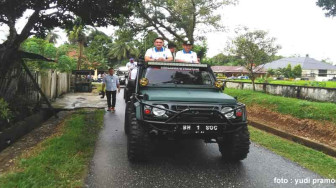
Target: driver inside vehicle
{"points": [[158, 52]]}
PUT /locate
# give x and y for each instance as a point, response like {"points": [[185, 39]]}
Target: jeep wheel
{"points": [[137, 141], [235, 146], [128, 111], [125, 94]]}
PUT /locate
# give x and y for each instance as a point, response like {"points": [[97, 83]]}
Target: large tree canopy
{"points": [[47, 14], [328, 5], [178, 19]]}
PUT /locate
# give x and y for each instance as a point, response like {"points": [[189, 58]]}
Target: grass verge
{"points": [[327, 84], [62, 160], [295, 107], [313, 160], [98, 86]]}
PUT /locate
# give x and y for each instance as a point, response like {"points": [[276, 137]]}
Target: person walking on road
{"points": [[111, 81]]}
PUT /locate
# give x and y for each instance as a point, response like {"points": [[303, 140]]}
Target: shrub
{"points": [[5, 113]]}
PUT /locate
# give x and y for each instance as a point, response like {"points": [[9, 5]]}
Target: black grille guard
{"points": [[178, 113]]}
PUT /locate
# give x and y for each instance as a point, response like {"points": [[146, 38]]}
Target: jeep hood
{"points": [[188, 95]]}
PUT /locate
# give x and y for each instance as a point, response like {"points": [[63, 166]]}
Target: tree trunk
{"points": [[80, 56], [253, 83]]}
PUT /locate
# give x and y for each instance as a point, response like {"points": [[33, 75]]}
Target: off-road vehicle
{"points": [[182, 100]]}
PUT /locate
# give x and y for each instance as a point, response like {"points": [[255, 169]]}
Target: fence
{"points": [[301, 92], [54, 84], [17, 84]]}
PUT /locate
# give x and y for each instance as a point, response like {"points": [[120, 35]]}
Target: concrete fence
{"points": [[301, 92], [54, 84]]}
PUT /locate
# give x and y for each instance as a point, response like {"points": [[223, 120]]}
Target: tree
{"points": [[328, 5], [147, 42], [41, 47], [255, 49], [271, 72], [201, 50], [288, 71], [77, 35], [51, 36], [98, 47], [41, 16], [297, 71], [177, 19], [124, 46], [48, 14]]}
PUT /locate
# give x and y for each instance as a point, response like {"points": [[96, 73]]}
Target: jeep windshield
{"points": [[158, 75]]}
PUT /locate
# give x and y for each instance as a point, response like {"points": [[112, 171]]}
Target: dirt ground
{"points": [[9, 155], [320, 131]]}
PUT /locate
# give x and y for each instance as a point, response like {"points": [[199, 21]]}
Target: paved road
{"points": [[189, 163]]}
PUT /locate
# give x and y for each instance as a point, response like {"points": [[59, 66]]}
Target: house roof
{"points": [[228, 69], [306, 63], [232, 69]]}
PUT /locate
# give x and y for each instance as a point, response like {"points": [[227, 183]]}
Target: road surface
{"points": [[188, 163]]}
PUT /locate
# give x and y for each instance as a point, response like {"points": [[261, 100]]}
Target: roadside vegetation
{"points": [[62, 160], [97, 87], [296, 107], [311, 159], [328, 84]]}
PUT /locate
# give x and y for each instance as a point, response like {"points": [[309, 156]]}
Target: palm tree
{"points": [[52, 36], [77, 35], [123, 50]]}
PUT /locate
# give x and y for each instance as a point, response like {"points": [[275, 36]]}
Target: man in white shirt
{"points": [[131, 64], [158, 52], [186, 55]]}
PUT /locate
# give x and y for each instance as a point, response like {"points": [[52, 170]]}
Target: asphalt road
{"points": [[187, 163]]}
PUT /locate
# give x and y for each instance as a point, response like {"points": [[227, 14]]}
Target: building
{"points": [[311, 68], [235, 71]]}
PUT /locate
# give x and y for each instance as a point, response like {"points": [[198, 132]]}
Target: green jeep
{"points": [[182, 100]]}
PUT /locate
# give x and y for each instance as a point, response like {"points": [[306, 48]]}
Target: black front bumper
{"points": [[174, 126], [193, 129]]}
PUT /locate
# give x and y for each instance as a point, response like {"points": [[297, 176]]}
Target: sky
{"points": [[299, 26]]}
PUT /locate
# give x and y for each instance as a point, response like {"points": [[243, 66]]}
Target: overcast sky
{"points": [[299, 25]]}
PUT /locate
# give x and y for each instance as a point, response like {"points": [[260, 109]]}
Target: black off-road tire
{"points": [[125, 93], [128, 111], [235, 146], [137, 141]]}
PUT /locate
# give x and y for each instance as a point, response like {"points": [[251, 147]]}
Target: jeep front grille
{"points": [[202, 114], [183, 107]]}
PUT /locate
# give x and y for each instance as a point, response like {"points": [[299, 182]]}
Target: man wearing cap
{"points": [[131, 64], [158, 52], [186, 55]]}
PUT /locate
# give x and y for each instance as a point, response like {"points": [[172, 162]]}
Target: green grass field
{"points": [[328, 84], [304, 156], [62, 160], [295, 107]]}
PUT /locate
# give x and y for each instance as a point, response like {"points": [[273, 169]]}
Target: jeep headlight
{"points": [[159, 112], [229, 115]]}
